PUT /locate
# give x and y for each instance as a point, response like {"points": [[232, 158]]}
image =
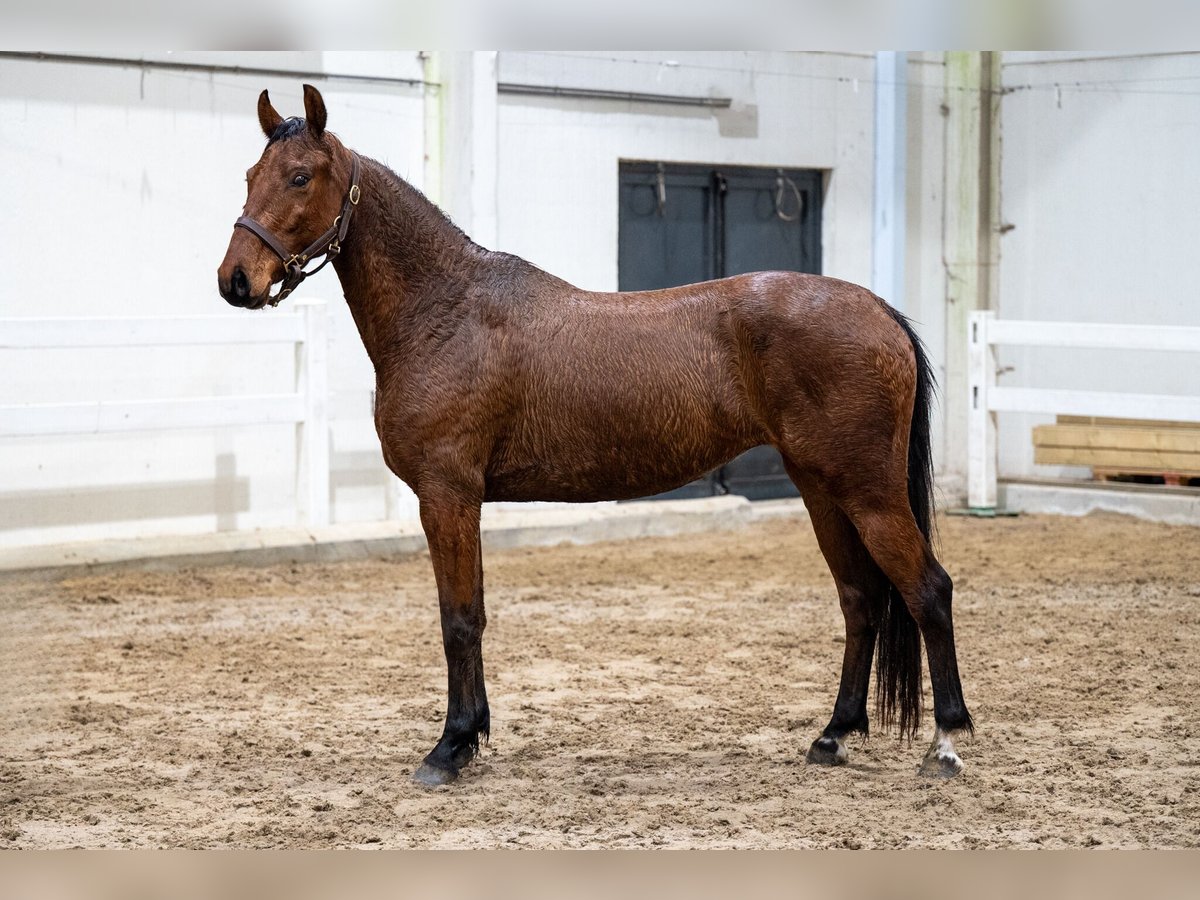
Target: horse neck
{"points": [[401, 263]]}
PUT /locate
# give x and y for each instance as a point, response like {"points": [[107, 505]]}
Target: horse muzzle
{"points": [[237, 289]]}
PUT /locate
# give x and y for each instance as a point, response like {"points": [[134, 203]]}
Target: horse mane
{"points": [[431, 237], [416, 204], [288, 128]]}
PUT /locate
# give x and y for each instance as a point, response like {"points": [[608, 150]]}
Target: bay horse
{"points": [[498, 381]]}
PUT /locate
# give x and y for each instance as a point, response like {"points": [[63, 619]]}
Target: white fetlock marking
{"points": [[842, 753], [941, 759]]}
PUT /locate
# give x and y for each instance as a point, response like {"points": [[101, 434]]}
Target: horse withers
{"points": [[498, 381]]}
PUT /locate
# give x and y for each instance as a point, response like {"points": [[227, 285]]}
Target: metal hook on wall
{"points": [[661, 190], [781, 181]]}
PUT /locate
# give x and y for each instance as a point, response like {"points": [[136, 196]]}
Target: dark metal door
{"points": [[680, 224]]}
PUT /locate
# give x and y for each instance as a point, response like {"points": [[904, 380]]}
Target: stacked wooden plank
{"points": [[1114, 447]]}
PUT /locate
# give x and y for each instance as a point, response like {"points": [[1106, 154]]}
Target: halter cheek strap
{"points": [[329, 243]]}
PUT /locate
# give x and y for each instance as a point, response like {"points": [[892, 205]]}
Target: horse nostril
{"points": [[241, 284]]}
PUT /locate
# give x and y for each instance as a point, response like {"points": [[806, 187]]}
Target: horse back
{"points": [[621, 395]]}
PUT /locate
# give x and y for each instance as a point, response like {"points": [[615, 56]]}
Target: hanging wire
{"points": [[782, 181]]}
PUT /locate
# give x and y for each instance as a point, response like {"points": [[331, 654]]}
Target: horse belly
{"points": [[616, 452]]}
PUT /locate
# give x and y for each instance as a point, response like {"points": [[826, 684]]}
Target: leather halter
{"points": [[329, 243]]}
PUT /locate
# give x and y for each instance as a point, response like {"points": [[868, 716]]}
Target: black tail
{"points": [[898, 664]]}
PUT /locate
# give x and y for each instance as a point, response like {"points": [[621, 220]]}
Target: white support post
{"points": [[312, 438], [981, 421], [393, 500], [468, 103], [969, 234], [891, 161]]}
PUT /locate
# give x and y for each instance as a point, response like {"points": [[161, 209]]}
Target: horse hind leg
{"points": [[890, 533], [862, 588], [941, 759]]}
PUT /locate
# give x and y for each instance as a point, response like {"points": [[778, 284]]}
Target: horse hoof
{"points": [[940, 764], [433, 776], [826, 751]]}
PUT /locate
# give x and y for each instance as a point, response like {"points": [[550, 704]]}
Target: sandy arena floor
{"points": [[652, 693]]}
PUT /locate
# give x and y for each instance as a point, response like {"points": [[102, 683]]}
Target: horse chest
{"points": [[432, 428]]}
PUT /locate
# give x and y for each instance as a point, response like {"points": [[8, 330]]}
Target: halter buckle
{"points": [[355, 193]]}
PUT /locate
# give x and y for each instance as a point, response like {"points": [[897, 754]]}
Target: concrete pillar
{"points": [[434, 100], [461, 139], [891, 162], [971, 235]]}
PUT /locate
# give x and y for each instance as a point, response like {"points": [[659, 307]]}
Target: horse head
{"points": [[299, 197]]}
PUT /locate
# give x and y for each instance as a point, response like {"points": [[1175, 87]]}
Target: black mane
{"points": [[286, 129]]}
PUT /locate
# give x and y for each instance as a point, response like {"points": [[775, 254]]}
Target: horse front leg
{"points": [[451, 525]]}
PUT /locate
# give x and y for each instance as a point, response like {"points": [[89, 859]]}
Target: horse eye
{"points": [[300, 180]]}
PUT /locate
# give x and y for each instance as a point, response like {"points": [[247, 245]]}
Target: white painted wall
{"points": [[1101, 181], [123, 184], [924, 268], [121, 187], [559, 157]]}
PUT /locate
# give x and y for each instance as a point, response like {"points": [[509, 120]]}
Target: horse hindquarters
{"points": [[865, 446]]}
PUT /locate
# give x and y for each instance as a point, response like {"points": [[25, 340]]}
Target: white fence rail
{"points": [[307, 407], [986, 398]]}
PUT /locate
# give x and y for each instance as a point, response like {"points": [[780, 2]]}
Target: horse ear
{"points": [[314, 110], [267, 117]]}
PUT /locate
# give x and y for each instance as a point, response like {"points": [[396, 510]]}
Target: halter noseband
{"points": [[329, 244]]}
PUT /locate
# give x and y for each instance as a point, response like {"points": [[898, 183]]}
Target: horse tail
{"points": [[898, 664]]}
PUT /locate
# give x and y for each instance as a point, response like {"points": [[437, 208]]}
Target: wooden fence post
{"points": [[312, 438], [981, 422]]}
